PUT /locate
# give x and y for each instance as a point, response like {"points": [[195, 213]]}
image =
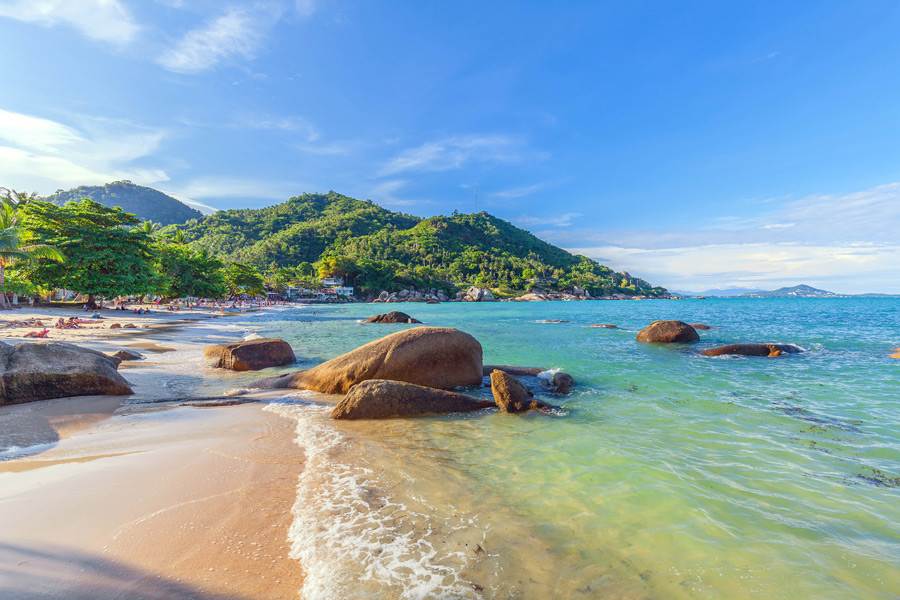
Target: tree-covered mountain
{"points": [[146, 203], [796, 291], [374, 248]]}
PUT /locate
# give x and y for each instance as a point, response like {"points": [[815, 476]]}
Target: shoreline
{"points": [[116, 499]]}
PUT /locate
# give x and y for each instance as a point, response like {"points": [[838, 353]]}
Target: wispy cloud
{"points": [[305, 8], [236, 187], [848, 241], [236, 34], [518, 192], [386, 193], [104, 20], [457, 151], [564, 220], [43, 155]]}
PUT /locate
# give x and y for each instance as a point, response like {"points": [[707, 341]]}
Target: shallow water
{"points": [[667, 474]]}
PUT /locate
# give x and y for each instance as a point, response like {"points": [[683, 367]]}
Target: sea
{"points": [[664, 474]]}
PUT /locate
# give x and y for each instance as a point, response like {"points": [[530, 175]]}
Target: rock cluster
{"points": [[511, 395], [431, 296], [434, 357], [32, 371], [251, 355], [476, 294]]}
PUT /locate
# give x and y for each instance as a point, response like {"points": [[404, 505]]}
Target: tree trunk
{"points": [[4, 301], [91, 302]]}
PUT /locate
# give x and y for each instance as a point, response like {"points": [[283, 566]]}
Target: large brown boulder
{"points": [[251, 355], [668, 332], [32, 371], [395, 316], [511, 396], [381, 399], [752, 350], [435, 357]]}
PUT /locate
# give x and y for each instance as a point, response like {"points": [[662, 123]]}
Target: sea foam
{"points": [[356, 539]]}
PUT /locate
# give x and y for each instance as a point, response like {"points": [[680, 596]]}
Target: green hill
{"points": [[374, 248], [146, 203]]}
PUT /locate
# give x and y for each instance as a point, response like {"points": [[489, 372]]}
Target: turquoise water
{"points": [[666, 475]]}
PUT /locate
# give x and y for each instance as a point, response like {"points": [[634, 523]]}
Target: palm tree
{"points": [[149, 227], [13, 251]]}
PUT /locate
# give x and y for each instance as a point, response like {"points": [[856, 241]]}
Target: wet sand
{"points": [[116, 500]]}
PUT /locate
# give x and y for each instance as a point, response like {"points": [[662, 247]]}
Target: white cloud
{"points": [[44, 155], [845, 242], [237, 33], [104, 20], [457, 151], [234, 187]]}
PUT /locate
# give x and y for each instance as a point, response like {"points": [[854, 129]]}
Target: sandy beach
{"points": [[116, 500]]}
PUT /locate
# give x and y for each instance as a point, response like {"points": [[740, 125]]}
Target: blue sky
{"points": [[695, 144]]}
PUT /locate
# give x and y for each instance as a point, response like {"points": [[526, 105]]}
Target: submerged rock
{"points": [[752, 350], [382, 399], [251, 355], [563, 382], [700, 326], [668, 332], [435, 357], [395, 316], [511, 396], [603, 325], [32, 371]]}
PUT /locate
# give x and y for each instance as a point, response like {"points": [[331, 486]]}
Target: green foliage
{"points": [[375, 249], [244, 279], [106, 254], [190, 272], [146, 203]]}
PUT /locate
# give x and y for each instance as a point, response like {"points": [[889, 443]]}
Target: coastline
{"points": [[112, 499]]}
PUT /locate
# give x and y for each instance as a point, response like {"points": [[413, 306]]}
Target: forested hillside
{"points": [[374, 248], [146, 203]]}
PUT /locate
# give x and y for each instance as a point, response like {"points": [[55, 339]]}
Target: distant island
{"points": [[796, 291]]}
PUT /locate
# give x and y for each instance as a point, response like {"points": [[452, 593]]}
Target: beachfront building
{"points": [[334, 286]]}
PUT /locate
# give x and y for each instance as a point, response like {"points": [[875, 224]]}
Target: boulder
{"points": [[394, 316], [563, 382], [430, 356], [511, 396], [752, 350], [478, 294], [251, 355], [383, 399], [603, 325], [668, 332], [700, 326], [534, 297], [127, 355], [517, 371], [129, 326], [115, 326], [32, 371], [442, 297], [403, 294], [383, 296]]}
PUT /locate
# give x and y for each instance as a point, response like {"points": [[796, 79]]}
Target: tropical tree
{"points": [[107, 255], [13, 249], [243, 279], [190, 272]]}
